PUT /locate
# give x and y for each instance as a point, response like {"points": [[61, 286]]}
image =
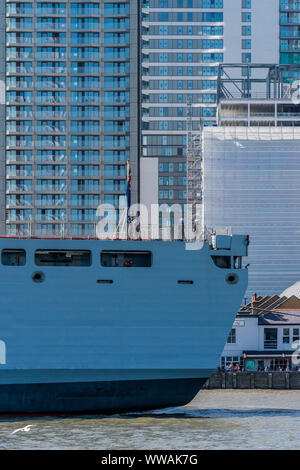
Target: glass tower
{"points": [[71, 102], [182, 44], [290, 37]]}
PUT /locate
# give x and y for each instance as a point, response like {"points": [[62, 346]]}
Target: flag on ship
{"points": [[128, 190]]}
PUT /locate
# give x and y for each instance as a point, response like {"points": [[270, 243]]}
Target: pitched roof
{"points": [[272, 310], [262, 305], [291, 302], [286, 317]]}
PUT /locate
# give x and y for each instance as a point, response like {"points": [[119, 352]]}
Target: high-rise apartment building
{"points": [[71, 112], [183, 43], [290, 36]]}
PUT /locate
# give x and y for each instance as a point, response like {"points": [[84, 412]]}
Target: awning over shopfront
{"points": [[267, 354]]}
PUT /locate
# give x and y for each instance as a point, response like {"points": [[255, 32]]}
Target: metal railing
{"points": [[56, 227]]}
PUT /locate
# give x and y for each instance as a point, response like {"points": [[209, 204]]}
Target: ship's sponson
{"points": [[89, 325], [237, 244]]}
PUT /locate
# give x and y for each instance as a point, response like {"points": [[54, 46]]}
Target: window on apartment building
{"points": [[232, 336], [246, 43], [163, 57], [166, 180], [163, 16], [163, 70], [246, 30], [166, 194], [163, 125], [163, 111], [246, 3], [163, 98], [286, 335], [163, 44], [163, 29], [212, 4], [246, 57], [164, 167], [246, 17]]}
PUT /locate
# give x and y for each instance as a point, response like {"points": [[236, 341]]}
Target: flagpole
{"points": [[128, 195]]}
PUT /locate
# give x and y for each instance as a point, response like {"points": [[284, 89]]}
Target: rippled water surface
{"points": [[215, 419]]}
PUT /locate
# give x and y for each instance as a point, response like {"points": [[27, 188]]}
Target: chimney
{"points": [[253, 299]]}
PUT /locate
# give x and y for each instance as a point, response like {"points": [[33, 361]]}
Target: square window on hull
{"points": [[63, 258], [13, 257], [222, 261], [126, 259]]}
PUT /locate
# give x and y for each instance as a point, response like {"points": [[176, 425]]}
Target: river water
{"points": [[215, 419]]}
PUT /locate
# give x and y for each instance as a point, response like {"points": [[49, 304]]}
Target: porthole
{"points": [[232, 278], [38, 276]]}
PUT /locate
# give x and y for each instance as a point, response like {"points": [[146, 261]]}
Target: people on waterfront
{"points": [[236, 367], [230, 367]]}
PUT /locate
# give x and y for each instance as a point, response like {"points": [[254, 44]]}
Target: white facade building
{"points": [[246, 30], [264, 332]]}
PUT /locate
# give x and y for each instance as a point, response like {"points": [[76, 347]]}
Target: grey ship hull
{"points": [[106, 397], [108, 339]]}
